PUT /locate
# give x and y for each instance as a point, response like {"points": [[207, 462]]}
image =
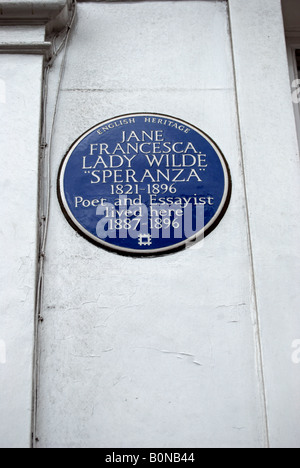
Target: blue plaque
{"points": [[144, 184]]}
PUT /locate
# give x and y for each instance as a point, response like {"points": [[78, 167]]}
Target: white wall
{"points": [[122, 339], [20, 102], [272, 175], [195, 349]]}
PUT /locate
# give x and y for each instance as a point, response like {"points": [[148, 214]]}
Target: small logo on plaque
{"points": [[144, 184]]}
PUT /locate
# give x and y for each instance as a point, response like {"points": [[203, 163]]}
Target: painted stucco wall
{"points": [[20, 105], [189, 350], [150, 352]]}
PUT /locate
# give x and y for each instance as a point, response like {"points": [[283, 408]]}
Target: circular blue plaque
{"points": [[144, 184]]}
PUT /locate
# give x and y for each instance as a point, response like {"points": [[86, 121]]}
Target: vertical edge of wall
{"points": [[272, 174], [19, 149], [23, 26]]}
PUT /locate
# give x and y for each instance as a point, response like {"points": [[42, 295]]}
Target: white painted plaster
{"points": [[272, 173], [155, 352], [150, 352], [21, 78], [23, 34]]}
